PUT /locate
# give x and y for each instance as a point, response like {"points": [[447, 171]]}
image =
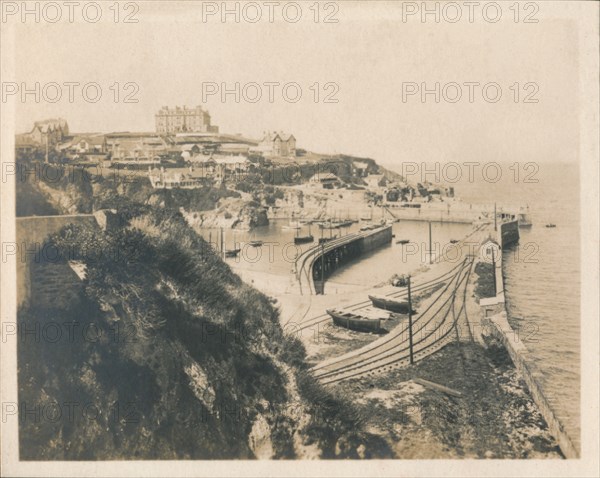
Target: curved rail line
{"points": [[301, 263], [396, 359], [398, 331], [382, 356], [394, 295]]}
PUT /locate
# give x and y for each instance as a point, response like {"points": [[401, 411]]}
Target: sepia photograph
{"points": [[312, 238]]}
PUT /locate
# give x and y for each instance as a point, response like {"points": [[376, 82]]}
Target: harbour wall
{"points": [[324, 260], [509, 233], [495, 322], [376, 239]]}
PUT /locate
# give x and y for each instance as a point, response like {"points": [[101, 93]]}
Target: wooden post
{"points": [[323, 268], [222, 250], [495, 218], [494, 270], [410, 333], [430, 249]]}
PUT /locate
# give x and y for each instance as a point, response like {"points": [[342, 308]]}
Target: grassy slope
{"points": [[198, 359]]}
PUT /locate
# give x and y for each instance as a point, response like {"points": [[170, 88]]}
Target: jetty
{"points": [[315, 265]]}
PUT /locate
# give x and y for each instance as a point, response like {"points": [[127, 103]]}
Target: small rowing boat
{"points": [[303, 239], [385, 303], [403, 241], [232, 252], [354, 321]]}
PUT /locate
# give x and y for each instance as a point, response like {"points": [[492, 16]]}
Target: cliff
{"points": [[168, 355]]}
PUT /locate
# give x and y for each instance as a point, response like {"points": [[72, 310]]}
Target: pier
{"points": [[315, 265], [495, 321]]}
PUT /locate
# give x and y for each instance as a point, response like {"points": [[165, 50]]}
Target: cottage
{"points": [[84, 144], [136, 146]]}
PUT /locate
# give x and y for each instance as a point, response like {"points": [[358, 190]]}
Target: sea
{"points": [[542, 274]]}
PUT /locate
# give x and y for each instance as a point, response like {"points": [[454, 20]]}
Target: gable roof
{"points": [[51, 124], [273, 135]]}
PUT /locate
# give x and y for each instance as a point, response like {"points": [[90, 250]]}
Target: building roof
{"points": [[96, 139], [273, 135], [24, 140], [231, 160], [320, 178], [51, 124]]}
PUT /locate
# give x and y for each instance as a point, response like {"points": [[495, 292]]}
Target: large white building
{"points": [[183, 119]]}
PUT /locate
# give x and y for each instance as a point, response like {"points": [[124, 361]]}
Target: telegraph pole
{"points": [[323, 268], [410, 332], [430, 249], [494, 270], [222, 250], [495, 218]]}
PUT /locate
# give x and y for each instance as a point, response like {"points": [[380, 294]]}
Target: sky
{"points": [[367, 58]]}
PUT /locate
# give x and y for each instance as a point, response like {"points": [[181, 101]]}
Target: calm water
{"points": [[543, 280], [278, 253]]}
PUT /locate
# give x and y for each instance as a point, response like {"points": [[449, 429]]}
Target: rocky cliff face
{"points": [[229, 213]]}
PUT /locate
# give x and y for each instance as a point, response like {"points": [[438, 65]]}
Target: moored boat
{"points": [[303, 239], [403, 241], [393, 305], [550, 225], [354, 321], [256, 243], [232, 252]]}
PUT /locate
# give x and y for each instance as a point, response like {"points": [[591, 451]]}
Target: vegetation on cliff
{"points": [[170, 356]]}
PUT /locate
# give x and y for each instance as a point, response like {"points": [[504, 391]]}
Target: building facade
{"points": [[48, 132], [183, 119], [276, 144]]}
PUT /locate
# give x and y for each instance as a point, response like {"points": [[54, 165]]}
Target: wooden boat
{"points": [[403, 241], [232, 252], [393, 305], [256, 243], [303, 239], [353, 321], [550, 225], [346, 223], [453, 241]]}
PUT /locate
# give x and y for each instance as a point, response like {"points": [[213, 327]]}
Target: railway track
{"points": [[392, 351], [401, 293]]}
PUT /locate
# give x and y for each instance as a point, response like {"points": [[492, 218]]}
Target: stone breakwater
{"points": [[495, 322]]}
